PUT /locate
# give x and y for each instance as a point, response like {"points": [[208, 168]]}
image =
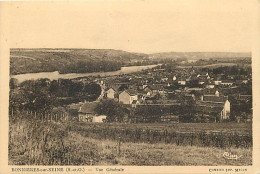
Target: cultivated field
{"points": [[224, 135], [36, 142], [241, 128]]}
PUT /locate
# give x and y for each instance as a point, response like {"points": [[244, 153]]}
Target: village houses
{"points": [[159, 87]]}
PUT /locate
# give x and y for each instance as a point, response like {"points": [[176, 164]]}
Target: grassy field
{"points": [[110, 153], [55, 143]]}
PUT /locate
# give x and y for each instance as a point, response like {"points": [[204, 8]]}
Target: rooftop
{"points": [[131, 92]]}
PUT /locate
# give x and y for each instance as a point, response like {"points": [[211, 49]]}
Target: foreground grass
{"points": [[160, 154], [50, 143]]}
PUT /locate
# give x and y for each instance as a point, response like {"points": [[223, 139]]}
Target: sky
{"points": [[145, 26]]}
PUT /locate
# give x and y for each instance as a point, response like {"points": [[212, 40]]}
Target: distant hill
{"points": [[198, 55], [70, 60], [77, 54]]}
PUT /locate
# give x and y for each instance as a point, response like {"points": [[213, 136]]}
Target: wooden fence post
{"points": [[119, 144], [165, 135], [192, 138]]}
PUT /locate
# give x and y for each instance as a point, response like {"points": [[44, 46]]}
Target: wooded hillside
{"points": [[71, 60]]}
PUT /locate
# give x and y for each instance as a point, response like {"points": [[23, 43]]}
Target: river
{"points": [[56, 75]]}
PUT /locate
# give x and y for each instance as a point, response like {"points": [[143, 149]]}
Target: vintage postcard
{"points": [[135, 86]]}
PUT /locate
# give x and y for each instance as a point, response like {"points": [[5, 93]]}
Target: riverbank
{"points": [[56, 75]]}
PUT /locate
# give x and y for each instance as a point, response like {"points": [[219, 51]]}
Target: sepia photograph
{"points": [[110, 107], [130, 83]]}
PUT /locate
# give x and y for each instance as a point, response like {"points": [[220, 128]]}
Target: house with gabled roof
{"points": [[217, 82], [174, 78], [209, 85], [204, 75], [87, 113], [153, 89], [110, 93], [182, 81], [128, 96]]}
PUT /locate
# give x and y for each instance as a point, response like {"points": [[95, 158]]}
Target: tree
{"points": [[114, 111], [35, 96], [54, 87], [194, 83], [13, 83], [149, 113], [187, 110], [122, 87], [91, 91]]}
